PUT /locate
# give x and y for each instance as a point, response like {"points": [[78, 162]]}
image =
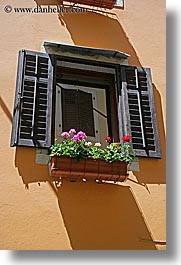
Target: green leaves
{"points": [[119, 153], [127, 152], [79, 148], [95, 152]]}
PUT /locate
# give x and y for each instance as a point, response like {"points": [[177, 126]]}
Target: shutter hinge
{"points": [[19, 98]]}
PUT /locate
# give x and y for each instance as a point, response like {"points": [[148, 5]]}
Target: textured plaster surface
{"points": [[34, 212]]}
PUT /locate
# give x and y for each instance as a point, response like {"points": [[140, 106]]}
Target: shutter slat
{"points": [[77, 111], [86, 116], [138, 111], [69, 109], [33, 119]]}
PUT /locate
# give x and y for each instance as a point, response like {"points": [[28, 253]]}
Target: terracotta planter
{"points": [[88, 168], [99, 3]]}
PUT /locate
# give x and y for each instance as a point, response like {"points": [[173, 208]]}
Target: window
{"points": [[99, 3], [55, 93], [76, 108], [119, 4], [83, 99]]}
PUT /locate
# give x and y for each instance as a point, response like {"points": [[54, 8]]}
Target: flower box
{"points": [[98, 3], [87, 168]]}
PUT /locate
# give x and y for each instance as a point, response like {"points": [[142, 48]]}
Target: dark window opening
{"points": [[79, 112]]}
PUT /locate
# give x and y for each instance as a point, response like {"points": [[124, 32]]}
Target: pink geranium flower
{"points": [[65, 135], [75, 138], [79, 136], [72, 131]]}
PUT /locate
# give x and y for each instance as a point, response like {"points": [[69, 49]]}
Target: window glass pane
{"points": [[119, 3]]}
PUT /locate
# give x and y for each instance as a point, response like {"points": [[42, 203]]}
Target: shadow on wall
{"points": [[102, 217], [27, 169], [5, 109], [96, 216], [100, 31]]}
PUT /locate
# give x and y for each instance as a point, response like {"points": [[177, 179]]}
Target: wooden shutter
{"points": [[33, 101], [86, 116], [138, 115], [70, 117], [77, 111]]}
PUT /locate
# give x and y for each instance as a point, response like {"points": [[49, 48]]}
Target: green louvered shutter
{"points": [[137, 111], [32, 117]]}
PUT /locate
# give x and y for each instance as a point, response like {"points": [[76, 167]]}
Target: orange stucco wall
{"points": [[36, 213]]}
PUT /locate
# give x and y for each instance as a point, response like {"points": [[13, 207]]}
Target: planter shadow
{"points": [[102, 217]]}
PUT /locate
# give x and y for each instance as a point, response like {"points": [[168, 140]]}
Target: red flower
{"points": [[126, 138], [108, 139]]}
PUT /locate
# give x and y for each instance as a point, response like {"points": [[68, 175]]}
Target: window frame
{"points": [[98, 72]]}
